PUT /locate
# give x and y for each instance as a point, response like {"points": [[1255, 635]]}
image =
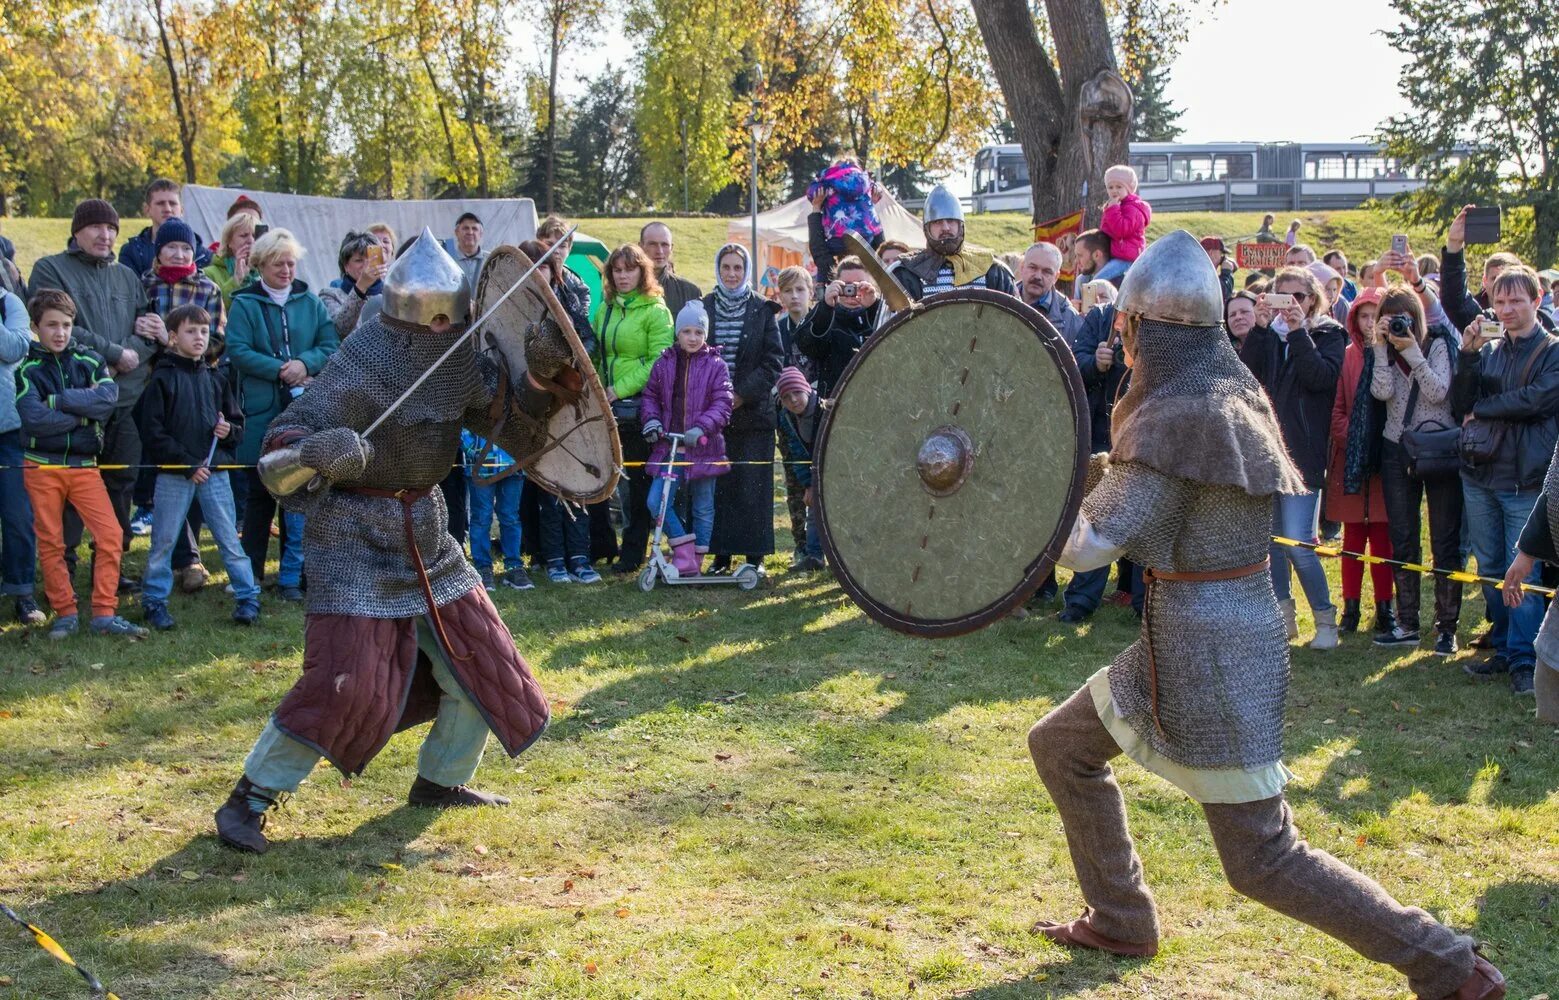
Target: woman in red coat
{"points": [[1363, 513]]}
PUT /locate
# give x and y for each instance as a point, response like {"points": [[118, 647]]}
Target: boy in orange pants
{"points": [[64, 395]]}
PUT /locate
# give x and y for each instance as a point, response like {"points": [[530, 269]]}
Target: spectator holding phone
{"points": [[1462, 307], [1296, 352], [363, 264], [229, 268], [838, 325], [1506, 391]]}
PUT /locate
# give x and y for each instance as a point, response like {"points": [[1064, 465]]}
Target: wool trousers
{"points": [[1262, 854]]}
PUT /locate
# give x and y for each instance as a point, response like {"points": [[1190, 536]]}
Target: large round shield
{"points": [[583, 455], [949, 468]]}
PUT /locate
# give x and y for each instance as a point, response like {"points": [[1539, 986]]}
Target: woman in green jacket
{"points": [[632, 327], [278, 338], [230, 268]]}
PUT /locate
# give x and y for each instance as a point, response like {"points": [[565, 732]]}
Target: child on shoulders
{"points": [[1126, 216]]}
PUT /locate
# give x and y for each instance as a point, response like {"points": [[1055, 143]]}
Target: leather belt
{"points": [[407, 497], [1152, 576]]}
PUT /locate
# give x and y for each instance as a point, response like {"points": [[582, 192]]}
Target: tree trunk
{"points": [[183, 115], [1072, 124]]}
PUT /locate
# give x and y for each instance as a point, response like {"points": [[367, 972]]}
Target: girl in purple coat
{"points": [[689, 393]]}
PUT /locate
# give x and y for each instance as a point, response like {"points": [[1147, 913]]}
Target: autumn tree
{"points": [[564, 24], [1483, 74]]}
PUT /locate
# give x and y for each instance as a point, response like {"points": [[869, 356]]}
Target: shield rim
{"points": [[593, 390], [1038, 569]]}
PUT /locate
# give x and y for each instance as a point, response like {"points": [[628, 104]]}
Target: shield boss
{"points": [[950, 466]]}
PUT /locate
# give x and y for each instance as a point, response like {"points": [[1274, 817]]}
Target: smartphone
{"points": [[374, 254], [1279, 300], [1399, 244], [1090, 293], [1483, 225]]}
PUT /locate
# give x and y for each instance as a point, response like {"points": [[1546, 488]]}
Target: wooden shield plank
{"points": [[950, 464]]}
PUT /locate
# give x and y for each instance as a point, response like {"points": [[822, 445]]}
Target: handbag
{"points": [[1481, 439], [1433, 450]]}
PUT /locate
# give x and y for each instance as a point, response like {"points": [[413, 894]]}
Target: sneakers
{"points": [[193, 577], [486, 573], [1491, 667], [515, 578], [157, 615], [557, 572], [114, 625], [247, 612], [1445, 645], [1399, 636], [1072, 615], [141, 523], [291, 594], [1521, 682], [583, 572], [815, 564], [64, 627], [27, 612]]}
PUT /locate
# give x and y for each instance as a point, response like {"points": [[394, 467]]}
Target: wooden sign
{"points": [[1260, 256]]}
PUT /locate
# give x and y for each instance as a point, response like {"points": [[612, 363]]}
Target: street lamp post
{"points": [[760, 133]]}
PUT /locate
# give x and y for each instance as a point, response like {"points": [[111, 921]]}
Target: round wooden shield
{"points": [[949, 468], [583, 456]]}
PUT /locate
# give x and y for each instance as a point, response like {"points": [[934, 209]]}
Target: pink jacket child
{"points": [[684, 391], [1126, 224]]}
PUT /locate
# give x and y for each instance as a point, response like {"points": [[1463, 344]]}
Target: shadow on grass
{"points": [[1077, 973], [1518, 922], [121, 930]]}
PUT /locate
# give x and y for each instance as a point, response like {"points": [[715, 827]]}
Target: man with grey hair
{"points": [[1038, 272]]}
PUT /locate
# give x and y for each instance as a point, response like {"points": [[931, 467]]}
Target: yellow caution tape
{"points": [[53, 947], [1460, 576]]}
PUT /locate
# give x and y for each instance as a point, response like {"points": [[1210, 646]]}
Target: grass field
{"points": [[1360, 234], [741, 795]]}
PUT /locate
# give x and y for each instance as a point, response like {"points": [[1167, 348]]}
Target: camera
{"points": [[849, 288], [1400, 326]]}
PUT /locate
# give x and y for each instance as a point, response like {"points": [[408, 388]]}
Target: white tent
{"points": [[782, 230], [319, 223]]}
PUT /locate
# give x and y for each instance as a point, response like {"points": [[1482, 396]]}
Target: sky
{"points": [[1230, 77]]}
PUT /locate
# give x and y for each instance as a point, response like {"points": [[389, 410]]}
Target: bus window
{"points": [[1011, 172], [1238, 167], [1151, 169], [1191, 168], [1365, 167], [1325, 166]]}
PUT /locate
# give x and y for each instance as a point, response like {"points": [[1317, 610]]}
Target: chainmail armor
{"points": [[1220, 646], [355, 545]]}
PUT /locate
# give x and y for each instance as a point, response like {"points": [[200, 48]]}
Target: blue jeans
{"points": [[289, 572], [565, 534], [1294, 517], [18, 544], [502, 497], [1496, 518], [703, 493], [171, 498]]}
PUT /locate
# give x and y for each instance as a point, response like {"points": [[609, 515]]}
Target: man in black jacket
{"points": [[164, 201], [655, 241], [837, 326], [190, 419], [1507, 383]]}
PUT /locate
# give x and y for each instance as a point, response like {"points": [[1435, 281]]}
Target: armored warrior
{"points": [[399, 630], [1187, 492], [948, 261]]}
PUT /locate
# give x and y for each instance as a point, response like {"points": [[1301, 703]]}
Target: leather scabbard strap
{"points": [[1152, 576], [407, 498]]}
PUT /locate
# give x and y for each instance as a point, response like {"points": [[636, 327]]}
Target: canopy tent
{"points": [[782, 234], [319, 222], [587, 258]]}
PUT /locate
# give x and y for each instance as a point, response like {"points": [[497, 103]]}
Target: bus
{"points": [[1224, 176]]}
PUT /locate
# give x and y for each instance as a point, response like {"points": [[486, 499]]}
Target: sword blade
{"points": [[470, 330], [893, 293]]}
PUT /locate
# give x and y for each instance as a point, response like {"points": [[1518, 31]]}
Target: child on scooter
{"points": [[689, 393]]}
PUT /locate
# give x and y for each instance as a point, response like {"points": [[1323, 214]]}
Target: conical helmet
{"points": [[941, 204], [1173, 282], [425, 283]]}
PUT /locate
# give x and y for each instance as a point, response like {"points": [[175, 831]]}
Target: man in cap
{"points": [[949, 262], [399, 630], [1187, 491], [1222, 263]]}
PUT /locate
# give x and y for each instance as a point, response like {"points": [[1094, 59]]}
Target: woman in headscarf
{"points": [[742, 326]]}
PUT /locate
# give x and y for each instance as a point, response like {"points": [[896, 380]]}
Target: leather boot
{"points": [[1349, 622], [427, 793], [1385, 619], [683, 557], [1079, 933], [238, 825], [1290, 618], [1485, 983], [1325, 630]]}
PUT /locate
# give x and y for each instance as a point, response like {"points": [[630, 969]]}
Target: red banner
{"points": [[1063, 232], [1260, 256]]}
